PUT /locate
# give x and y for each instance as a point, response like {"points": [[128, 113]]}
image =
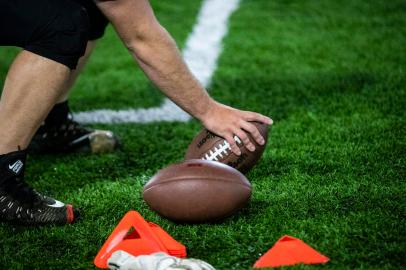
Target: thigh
{"points": [[97, 21], [26, 21], [55, 29], [18, 20]]}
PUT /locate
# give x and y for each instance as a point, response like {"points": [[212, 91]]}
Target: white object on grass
{"points": [[121, 260]]}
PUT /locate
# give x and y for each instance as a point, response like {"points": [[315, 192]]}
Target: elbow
{"points": [[147, 39]]}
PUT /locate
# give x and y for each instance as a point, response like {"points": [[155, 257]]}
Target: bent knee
{"points": [[64, 37]]}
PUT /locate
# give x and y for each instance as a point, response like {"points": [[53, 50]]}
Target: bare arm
{"points": [[156, 52]]}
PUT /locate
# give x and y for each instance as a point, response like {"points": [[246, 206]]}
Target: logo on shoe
{"points": [[56, 204], [16, 167]]}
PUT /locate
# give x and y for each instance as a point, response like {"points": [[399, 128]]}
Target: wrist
{"points": [[203, 109]]}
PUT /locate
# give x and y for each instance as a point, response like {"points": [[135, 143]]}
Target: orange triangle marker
{"points": [[137, 237], [289, 251]]}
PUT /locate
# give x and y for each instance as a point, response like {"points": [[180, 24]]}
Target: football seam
{"points": [[216, 154], [222, 180], [218, 141]]}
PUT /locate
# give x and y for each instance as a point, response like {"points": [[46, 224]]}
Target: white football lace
{"points": [[218, 151]]}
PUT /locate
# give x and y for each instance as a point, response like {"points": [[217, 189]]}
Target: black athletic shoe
{"points": [[70, 136], [22, 205]]}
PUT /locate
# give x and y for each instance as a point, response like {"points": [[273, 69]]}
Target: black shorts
{"points": [[55, 29], [97, 21]]}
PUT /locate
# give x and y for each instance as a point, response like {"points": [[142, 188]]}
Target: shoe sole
{"points": [[103, 141], [97, 142]]}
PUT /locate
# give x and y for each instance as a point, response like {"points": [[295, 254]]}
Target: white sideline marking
{"points": [[203, 47]]}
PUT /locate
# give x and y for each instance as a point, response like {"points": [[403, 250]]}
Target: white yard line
{"points": [[202, 50]]}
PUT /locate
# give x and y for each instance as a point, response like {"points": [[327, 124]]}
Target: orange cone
{"points": [[137, 237], [289, 251]]}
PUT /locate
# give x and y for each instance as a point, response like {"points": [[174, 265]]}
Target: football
{"points": [[208, 146], [197, 191]]}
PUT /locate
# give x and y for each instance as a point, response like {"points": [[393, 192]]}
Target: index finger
{"points": [[253, 130], [257, 117]]}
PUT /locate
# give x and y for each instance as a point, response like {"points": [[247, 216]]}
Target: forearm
{"points": [[157, 54], [160, 59]]}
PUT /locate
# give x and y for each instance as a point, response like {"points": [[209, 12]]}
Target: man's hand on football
{"points": [[228, 122]]}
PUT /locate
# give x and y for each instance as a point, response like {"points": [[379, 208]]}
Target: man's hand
{"points": [[156, 53], [228, 122]]}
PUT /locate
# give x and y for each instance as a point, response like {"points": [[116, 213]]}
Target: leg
{"points": [[24, 103], [59, 132], [97, 27], [75, 73], [53, 43], [54, 35]]}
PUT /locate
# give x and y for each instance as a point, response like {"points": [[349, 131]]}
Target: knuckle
{"points": [[257, 135], [246, 140], [253, 130], [229, 129], [231, 142]]}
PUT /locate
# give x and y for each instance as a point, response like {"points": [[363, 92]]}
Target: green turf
{"points": [[330, 73]]}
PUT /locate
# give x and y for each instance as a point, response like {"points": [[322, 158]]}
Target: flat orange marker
{"points": [[290, 251], [137, 237]]}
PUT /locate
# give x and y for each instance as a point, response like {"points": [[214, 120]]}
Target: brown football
{"points": [[197, 191], [208, 146]]}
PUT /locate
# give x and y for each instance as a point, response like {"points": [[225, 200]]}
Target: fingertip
{"points": [[265, 120]]}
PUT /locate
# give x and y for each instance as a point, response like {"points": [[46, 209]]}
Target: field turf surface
{"points": [[332, 76]]}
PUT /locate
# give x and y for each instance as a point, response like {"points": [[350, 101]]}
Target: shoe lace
{"points": [[72, 125], [68, 128]]}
